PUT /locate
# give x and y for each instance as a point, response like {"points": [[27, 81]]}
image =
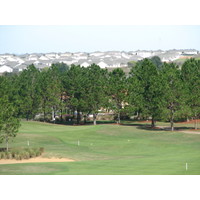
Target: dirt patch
{"points": [[189, 122], [35, 160], [147, 121], [190, 132]]}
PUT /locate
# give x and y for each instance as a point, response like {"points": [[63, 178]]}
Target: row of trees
{"points": [[155, 90]]}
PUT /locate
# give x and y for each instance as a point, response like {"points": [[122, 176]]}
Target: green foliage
{"points": [[9, 124], [117, 91], [174, 92], [50, 90], [190, 73], [146, 89], [156, 61], [61, 67], [29, 87], [95, 89]]}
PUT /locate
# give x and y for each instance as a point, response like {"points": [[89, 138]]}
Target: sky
{"points": [[19, 39]]}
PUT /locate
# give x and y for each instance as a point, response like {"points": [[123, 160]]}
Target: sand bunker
{"points": [[35, 160]]}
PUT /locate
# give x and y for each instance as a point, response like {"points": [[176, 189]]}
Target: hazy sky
{"points": [[43, 39]]}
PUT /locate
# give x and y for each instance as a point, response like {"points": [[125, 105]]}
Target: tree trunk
{"points": [[7, 143], [152, 122], [27, 116], [172, 120], [78, 117], [85, 119], [61, 99], [61, 118], [53, 114], [94, 118], [118, 118], [196, 124], [44, 115]]}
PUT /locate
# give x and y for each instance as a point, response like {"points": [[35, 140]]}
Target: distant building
{"points": [[102, 64], [5, 68], [85, 64]]}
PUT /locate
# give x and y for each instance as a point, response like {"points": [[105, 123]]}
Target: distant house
{"points": [[102, 64], [21, 67], [36, 62], [5, 68], [2, 61], [125, 55], [190, 52], [32, 57], [168, 57], [85, 64], [97, 54], [66, 54], [43, 58], [144, 54]]}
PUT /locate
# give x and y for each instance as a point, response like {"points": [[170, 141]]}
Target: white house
{"points": [[67, 54], [102, 64], [144, 54], [32, 57], [97, 54], [2, 61], [43, 58], [11, 59], [125, 55], [36, 62], [190, 52], [85, 64], [5, 68]]}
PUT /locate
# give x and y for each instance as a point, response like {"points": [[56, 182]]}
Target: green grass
{"points": [[107, 149]]}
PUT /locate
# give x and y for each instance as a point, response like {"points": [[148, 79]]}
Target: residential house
{"points": [[5, 68]]}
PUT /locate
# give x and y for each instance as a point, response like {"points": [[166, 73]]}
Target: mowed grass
{"points": [[107, 149]]}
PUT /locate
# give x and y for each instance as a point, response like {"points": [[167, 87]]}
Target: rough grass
{"points": [[108, 149]]}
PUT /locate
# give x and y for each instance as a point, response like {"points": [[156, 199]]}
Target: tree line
{"points": [[152, 90]]}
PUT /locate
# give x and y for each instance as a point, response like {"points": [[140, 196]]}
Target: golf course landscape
{"points": [[132, 148]]}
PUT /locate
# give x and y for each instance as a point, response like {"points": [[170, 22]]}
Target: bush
{"points": [[42, 150], [9, 155], [20, 153], [2, 155]]}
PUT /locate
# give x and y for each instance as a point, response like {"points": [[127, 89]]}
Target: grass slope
{"points": [[107, 149]]}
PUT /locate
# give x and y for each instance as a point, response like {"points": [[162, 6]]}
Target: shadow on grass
{"points": [[139, 125], [71, 123], [167, 128]]}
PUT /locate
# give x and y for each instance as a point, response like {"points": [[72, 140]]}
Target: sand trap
{"points": [[35, 160]]}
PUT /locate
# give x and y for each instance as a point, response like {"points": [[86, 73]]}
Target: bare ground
{"points": [[35, 160], [183, 131]]}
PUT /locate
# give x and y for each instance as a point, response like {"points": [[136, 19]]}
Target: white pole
{"points": [[28, 143], [186, 166]]}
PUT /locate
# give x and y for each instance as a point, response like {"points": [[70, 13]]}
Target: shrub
{"points": [[9, 155], [26, 155], [22, 153], [2, 155], [41, 150], [38, 152], [32, 154], [16, 156]]}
